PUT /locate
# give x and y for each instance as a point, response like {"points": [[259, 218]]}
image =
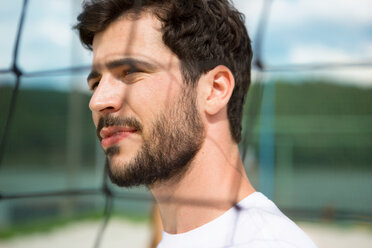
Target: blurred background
{"points": [[307, 126]]}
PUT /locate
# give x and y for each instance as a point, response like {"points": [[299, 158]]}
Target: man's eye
{"points": [[130, 71], [94, 86]]}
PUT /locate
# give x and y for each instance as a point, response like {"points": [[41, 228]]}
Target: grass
{"points": [[50, 224]]}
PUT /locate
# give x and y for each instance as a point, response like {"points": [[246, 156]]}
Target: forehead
{"points": [[128, 36]]}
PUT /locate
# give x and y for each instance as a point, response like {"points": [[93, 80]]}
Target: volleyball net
{"points": [[261, 109]]}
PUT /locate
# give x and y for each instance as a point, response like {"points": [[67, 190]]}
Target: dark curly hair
{"points": [[202, 33]]}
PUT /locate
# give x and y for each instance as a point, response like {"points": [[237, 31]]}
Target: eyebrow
{"points": [[130, 62]]}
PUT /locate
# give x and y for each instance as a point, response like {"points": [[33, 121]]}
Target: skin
{"points": [[216, 179]]}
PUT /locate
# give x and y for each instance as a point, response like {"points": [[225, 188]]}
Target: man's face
{"points": [[147, 119]]}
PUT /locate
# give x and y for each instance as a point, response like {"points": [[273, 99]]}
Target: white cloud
{"points": [[48, 36], [357, 76], [289, 12], [9, 16], [323, 54], [54, 31], [252, 11], [349, 75], [49, 21], [318, 54]]}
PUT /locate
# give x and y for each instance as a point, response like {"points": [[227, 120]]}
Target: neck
{"points": [[214, 182]]}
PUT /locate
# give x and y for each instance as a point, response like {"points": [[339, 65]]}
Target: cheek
{"points": [[151, 95], [95, 118]]}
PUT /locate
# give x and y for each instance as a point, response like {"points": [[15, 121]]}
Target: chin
{"points": [[118, 162]]}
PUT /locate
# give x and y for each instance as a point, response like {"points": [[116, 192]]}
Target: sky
{"points": [[298, 32]]}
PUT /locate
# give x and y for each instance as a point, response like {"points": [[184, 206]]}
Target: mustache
{"points": [[109, 120]]}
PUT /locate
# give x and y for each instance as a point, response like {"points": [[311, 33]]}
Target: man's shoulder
{"points": [[260, 223], [254, 222]]}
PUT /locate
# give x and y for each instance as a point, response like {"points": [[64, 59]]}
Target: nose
{"points": [[107, 96]]}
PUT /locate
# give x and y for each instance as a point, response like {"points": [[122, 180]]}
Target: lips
{"points": [[110, 136]]}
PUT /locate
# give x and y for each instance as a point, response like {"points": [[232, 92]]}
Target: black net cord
{"points": [[18, 73], [258, 63]]}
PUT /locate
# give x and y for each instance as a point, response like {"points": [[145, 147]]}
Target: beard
{"points": [[174, 139]]}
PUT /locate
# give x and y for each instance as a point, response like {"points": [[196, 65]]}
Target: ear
{"points": [[220, 85]]}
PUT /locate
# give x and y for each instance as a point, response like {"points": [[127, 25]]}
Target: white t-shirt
{"points": [[255, 222]]}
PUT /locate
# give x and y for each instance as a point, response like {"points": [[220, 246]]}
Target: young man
{"points": [[169, 79]]}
